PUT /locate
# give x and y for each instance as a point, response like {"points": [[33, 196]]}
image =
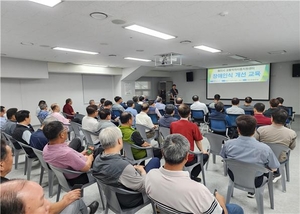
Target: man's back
{"points": [[38, 140], [199, 106], [175, 189], [235, 110], [92, 125], [9, 127], [166, 120]]}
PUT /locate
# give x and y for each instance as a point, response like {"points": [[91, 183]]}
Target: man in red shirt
{"points": [[68, 109], [194, 136], [261, 120]]}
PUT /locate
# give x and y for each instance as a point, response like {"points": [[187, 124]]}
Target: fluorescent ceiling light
{"points": [[238, 57], [137, 59], [93, 65], [150, 32], [209, 49], [74, 50], [49, 3], [255, 62]]}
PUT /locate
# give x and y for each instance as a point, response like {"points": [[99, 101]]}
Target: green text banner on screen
{"points": [[253, 80]]}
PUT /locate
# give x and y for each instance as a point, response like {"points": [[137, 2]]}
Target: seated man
{"points": [[68, 109], [105, 119], [59, 154], [131, 110], [38, 109], [193, 134], [23, 130], [172, 187], [108, 105], [219, 115], [197, 105], [56, 113], [137, 106], [117, 105], [247, 105], [235, 109], [92, 102], [2, 117], [89, 122], [113, 169], [159, 104], [217, 98], [274, 103], [280, 105], [130, 135], [70, 203], [277, 133], [11, 123], [247, 149], [43, 113], [153, 109], [168, 118], [37, 138], [101, 104], [261, 120], [143, 119]]}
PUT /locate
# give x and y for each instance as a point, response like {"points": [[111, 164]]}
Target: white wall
{"points": [[282, 85]]}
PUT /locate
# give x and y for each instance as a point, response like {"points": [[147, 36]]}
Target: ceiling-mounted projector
{"points": [[168, 59]]}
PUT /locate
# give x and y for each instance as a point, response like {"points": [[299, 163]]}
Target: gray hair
{"points": [[48, 119], [175, 148], [109, 136]]}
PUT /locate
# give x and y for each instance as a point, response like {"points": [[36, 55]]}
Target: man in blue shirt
{"points": [[131, 110], [168, 118]]}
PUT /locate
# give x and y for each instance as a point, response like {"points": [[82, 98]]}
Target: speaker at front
{"points": [[296, 70], [189, 76]]}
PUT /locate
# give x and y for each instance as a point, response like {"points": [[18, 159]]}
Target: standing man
{"points": [[173, 93]]}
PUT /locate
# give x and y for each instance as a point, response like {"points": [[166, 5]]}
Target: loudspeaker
{"points": [[296, 70], [189, 76]]}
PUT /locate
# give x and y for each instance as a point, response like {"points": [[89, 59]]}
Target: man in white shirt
{"points": [[197, 105], [143, 119], [90, 122], [235, 109], [170, 186]]}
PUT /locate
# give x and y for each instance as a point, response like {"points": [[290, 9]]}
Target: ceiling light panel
{"points": [[74, 50], [238, 57], [206, 48], [138, 59], [150, 32], [49, 3]]}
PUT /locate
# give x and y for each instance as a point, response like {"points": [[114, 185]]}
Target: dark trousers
{"points": [[197, 169]]}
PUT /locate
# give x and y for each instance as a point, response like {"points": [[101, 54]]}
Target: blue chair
{"points": [[218, 126], [232, 118], [154, 118], [198, 116], [116, 113], [291, 117], [212, 110]]}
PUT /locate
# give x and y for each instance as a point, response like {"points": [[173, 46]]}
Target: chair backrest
{"points": [[59, 173], [67, 115], [154, 118], [211, 110], [12, 141], [249, 112], [88, 136], [128, 151], [39, 155], [198, 114], [116, 113], [163, 209], [164, 131], [244, 173], [215, 142], [110, 193], [232, 118], [79, 116], [218, 125], [142, 130], [40, 119], [28, 150], [278, 149]]}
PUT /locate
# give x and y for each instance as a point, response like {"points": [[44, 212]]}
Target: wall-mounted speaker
{"points": [[296, 70], [189, 76]]}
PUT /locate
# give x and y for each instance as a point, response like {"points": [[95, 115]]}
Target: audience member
{"points": [[114, 118], [261, 120], [172, 187], [89, 122], [56, 113], [11, 122], [23, 130], [159, 104], [117, 105], [137, 106], [101, 104], [130, 135], [6, 161], [2, 117], [247, 105], [38, 109], [178, 102], [219, 114], [235, 109], [197, 105], [116, 170], [68, 109], [105, 119], [273, 106], [193, 134], [43, 113], [277, 133], [247, 149], [37, 139], [21, 196], [168, 118], [141, 100], [217, 97], [280, 105], [59, 154], [143, 119], [92, 102], [153, 109], [131, 110]]}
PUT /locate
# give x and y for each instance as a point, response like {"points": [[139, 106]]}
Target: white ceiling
{"points": [[251, 29]]}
